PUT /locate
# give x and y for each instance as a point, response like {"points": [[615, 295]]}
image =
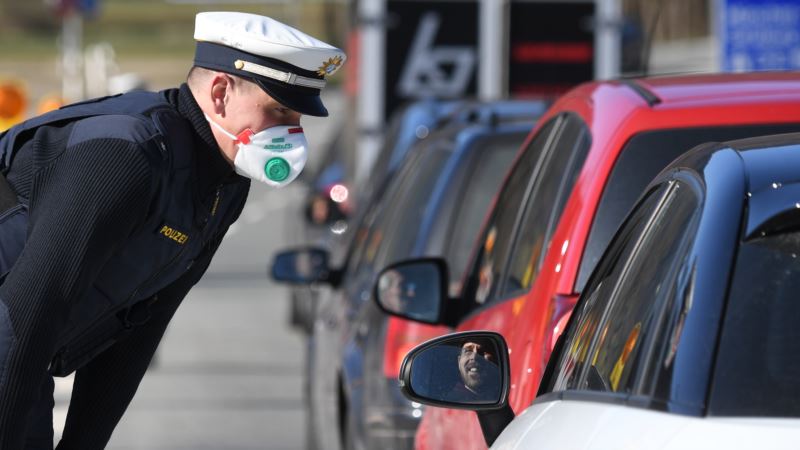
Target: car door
{"points": [[529, 204], [603, 387]]}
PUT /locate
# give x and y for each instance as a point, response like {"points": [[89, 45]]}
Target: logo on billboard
{"points": [[431, 70]]}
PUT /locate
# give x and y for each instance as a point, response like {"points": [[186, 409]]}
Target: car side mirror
{"points": [[415, 289], [301, 266], [468, 370]]}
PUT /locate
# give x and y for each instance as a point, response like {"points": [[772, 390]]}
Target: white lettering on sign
{"points": [[425, 74]]}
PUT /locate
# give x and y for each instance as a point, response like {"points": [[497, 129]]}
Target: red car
{"points": [[580, 171]]}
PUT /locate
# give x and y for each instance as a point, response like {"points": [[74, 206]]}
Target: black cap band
{"points": [[302, 99]]}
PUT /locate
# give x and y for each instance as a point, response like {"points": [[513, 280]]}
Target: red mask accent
{"points": [[244, 136]]}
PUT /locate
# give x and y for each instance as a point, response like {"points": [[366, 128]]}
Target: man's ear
{"points": [[220, 87]]}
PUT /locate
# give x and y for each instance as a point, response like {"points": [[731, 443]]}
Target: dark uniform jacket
{"points": [[123, 202]]}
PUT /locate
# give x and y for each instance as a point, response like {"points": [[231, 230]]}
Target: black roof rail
{"points": [[648, 96]]}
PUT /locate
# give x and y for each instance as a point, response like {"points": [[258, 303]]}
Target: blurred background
{"points": [[58, 51], [230, 372]]}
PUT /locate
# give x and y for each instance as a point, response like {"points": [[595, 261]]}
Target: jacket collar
{"points": [[211, 168]]}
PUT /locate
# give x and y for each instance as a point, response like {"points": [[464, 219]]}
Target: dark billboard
{"points": [[431, 50], [551, 47]]}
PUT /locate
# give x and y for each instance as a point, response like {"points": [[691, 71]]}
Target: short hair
{"points": [[197, 74]]}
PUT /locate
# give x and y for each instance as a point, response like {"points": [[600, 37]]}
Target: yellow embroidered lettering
{"points": [[173, 234]]}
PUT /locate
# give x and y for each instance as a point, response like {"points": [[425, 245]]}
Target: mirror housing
{"points": [[468, 370], [414, 289], [304, 265], [474, 360]]}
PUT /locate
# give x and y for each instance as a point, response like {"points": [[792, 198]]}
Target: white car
{"points": [[686, 336]]}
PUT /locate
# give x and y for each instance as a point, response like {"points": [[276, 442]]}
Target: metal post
{"points": [[608, 38], [371, 71], [72, 56], [493, 33]]}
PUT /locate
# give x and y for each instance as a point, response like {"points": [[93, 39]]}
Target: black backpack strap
{"points": [[137, 103]]}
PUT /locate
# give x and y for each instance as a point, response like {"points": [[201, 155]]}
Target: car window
{"points": [[646, 280], [380, 168], [639, 161], [499, 232], [661, 371], [552, 187], [400, 222], [368, 236], [588, 313], [758, 363], [477, 184]]}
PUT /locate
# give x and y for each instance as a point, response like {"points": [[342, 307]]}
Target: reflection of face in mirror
{"points": [[462, 370], [478, 371], [394, 293], [411, 290]]}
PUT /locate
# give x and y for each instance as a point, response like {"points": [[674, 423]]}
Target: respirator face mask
{"points": [[275, 155]]}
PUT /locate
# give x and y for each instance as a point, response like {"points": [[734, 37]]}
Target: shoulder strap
{"points": [[137, 103], [8, 199]]}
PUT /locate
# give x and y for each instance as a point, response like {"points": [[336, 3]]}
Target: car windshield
{"points": [[758, 362]]}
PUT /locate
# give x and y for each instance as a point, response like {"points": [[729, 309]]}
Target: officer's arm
{"points": [[84, 204], [104, 387]]}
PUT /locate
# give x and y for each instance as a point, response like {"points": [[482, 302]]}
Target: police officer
{"points": [[111, 210]]}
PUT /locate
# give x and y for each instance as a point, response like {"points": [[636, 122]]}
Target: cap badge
{"points": [[330, 66]]}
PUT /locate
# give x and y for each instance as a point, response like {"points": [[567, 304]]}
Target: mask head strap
{"points": [[243, 137]]}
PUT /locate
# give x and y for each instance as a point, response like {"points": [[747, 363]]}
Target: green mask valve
{"points": [[277, 169]]}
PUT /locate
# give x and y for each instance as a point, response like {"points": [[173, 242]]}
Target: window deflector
{"points": [[564, 367], [528, 163], [576, 151], [579, 152], [530, 188], [662, 205]]}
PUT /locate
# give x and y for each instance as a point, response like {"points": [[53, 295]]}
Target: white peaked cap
{"points": [[288, 64]]}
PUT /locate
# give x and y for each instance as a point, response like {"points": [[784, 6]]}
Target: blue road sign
{"points": [[759, 34], [88, 8]]}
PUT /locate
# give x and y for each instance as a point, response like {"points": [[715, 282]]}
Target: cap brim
{"points": [[308, 103]]}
